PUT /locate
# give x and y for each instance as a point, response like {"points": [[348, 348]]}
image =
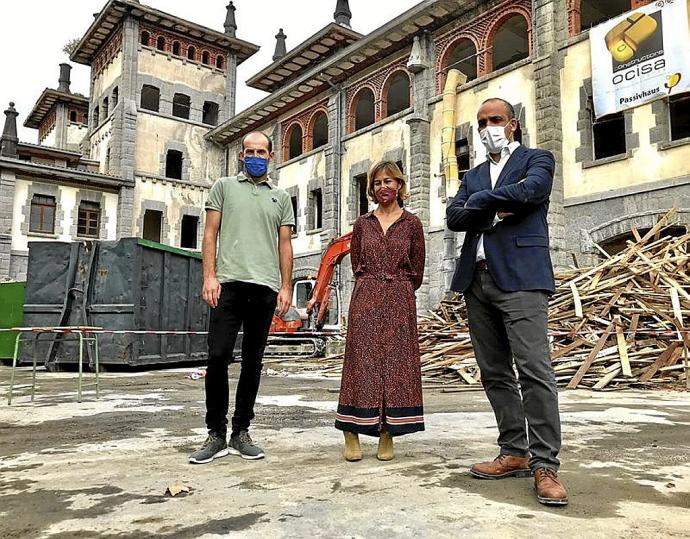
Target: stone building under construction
{"points": [[138, 155]]}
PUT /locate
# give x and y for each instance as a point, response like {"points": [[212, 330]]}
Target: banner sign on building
{"points": [[640, 56]]}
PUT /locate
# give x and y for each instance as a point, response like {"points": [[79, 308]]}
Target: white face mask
{"points": [[494, 138]]}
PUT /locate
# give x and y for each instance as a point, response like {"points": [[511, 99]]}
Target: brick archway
{"points": [[309, 133], [352, 105], [385, 87], [286, 138], [497, 24], [447, 50]]}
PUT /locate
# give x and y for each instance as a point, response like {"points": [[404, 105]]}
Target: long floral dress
{"points": [[381, 387]]}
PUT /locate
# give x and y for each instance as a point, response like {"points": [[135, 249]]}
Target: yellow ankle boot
{"points": [[385, 451], [352, 451]]}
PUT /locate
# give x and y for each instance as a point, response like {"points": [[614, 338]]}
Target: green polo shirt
{"points": [[248, 239]]}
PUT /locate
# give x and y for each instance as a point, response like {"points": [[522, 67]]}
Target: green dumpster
{"points": [[11, 315]]}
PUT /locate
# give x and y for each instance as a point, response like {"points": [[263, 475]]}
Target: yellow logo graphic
{"points": [[624, 39], [672, 81]]}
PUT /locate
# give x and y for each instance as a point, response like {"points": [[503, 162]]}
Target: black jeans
{"points": [[250, 306], [507, 327]]}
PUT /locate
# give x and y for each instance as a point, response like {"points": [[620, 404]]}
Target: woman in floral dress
{"points": [[381, 388]]}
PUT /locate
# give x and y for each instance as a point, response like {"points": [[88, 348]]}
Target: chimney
{"points": [[230, 23], [281, 49], [64, 80], [342, 14], [9, 140]]}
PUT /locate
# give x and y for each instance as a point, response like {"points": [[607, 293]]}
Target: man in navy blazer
{"points": [[506, 276]]}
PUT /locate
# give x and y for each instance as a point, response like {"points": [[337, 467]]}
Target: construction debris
{"points": [[618, 325]]}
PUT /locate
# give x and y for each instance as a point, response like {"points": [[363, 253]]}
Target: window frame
{"points": [[86, 214], [42, 205]]}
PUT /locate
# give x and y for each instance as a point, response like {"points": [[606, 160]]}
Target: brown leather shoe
{"points": [[550, 490], [502, 466]]}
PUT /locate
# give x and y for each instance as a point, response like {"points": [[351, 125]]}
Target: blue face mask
{"points": [[255, 166]]}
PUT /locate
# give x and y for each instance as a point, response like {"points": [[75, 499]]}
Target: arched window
{"points": [[176, 48], [205, 58], [145, 38], [116, 96], [320, 130], [363, 109], [220, 61], [593, 12], [462, 55], [150, 97], [96, 117], [511, 42], [160, 43], [181, 106], [295, 141], [105, 107], [397, 94], [191, 53]]}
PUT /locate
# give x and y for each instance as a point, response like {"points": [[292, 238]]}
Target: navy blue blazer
{"points": [[517, 248]]}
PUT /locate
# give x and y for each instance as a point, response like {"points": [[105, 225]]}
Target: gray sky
{"points": [[34, 32]]}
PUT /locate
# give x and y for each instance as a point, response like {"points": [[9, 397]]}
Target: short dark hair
{"points": [[270, 142], [509, 108]]}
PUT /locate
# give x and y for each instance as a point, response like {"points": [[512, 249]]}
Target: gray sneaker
{"points": [[241, 444], [214, 447]]}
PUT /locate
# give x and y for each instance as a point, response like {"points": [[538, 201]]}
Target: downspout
{"points": [[338, 151], [450, 165]]}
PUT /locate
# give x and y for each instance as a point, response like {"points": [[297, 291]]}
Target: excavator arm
{"points": [[333, 255]]}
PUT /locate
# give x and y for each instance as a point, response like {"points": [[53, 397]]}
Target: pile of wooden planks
{"points": [[617, 325]]}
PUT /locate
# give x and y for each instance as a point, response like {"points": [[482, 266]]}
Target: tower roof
{"points": [[325, 43], [108, 20], [45, 103], [293, 88]]}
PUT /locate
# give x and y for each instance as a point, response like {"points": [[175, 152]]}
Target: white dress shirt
{"points": [[495, 169]]}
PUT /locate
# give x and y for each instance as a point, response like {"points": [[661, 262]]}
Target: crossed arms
{"points": [[477, 211]]}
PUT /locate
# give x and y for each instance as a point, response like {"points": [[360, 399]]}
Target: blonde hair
{"points": [[393, 170]]}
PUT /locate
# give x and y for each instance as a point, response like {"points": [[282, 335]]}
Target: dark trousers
{"points": [[507, 326], [250, 306]]}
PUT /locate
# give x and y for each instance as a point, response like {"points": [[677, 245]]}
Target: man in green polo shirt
{"points": [[249, 221]]}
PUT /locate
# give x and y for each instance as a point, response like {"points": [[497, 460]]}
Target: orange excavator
{"points": [[303, 330]]}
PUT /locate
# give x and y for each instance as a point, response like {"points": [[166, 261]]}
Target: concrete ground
{"points": [[100, 468]]}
